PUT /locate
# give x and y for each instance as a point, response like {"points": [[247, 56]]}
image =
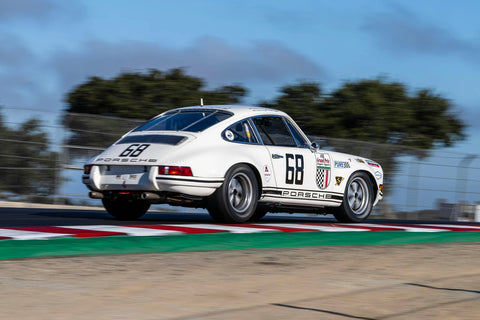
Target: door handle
{"points": [[276, 156]]}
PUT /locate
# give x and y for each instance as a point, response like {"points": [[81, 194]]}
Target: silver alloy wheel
{"points": [[358, 196], [240, 192]]}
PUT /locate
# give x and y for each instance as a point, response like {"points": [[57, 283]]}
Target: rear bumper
{"points": [[133, 178], [200, 187]]}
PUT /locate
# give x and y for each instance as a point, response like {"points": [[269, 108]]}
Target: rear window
{"points": [[149, 138], [185, 120]]}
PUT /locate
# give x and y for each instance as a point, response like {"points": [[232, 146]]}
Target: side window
{"points": [[274, 131], [240, 132], [301, 142]]}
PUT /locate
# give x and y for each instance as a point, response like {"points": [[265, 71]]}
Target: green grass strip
{"points": [[11, 249]]}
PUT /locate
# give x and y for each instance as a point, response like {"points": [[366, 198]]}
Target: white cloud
{"points": [[403, 32], [30, 9], [212, 59]]}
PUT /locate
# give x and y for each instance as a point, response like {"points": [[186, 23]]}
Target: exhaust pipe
{"points": [[95, 195], [150, 196]]}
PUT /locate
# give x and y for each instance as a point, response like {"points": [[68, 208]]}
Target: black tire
{"points": [[126, 209], [357, 201], [259, 214], [236, 199]]}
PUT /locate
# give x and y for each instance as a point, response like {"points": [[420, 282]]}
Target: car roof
{"points": [[237, 110]]}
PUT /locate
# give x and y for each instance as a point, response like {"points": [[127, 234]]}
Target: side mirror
{"points": [[314, 146]]}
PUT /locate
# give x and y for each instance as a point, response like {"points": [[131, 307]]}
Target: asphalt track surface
{"points": [[37, 217]]}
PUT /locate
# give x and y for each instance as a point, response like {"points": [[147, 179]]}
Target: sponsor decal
{"points": [[373, 164], [342, 164], [323, 170], [338, 180], [267, 173], [229, 135], [378, 175]]}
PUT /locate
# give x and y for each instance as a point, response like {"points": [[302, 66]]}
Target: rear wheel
{"points": [[259, 214], [126, 209], [358, 199], [236, 199]]}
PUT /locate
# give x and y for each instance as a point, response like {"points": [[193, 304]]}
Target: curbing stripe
{"points": [[227, 228], [71, 231], [315, 227], [11, 249], [30, 235], [89, 231], [410, 228], [129, 230]]}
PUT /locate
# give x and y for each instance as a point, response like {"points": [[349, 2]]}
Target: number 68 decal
{"points": [[134, 150], [295, 165]]}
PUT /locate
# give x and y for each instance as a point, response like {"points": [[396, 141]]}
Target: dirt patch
{"points": [[427, 281]]}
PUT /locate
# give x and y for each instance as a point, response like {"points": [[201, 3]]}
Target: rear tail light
{"points": [[176, 171], [87, 169]]}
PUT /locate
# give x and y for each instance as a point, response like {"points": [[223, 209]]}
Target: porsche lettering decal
{"points": [[306, 195], [130, 160]]}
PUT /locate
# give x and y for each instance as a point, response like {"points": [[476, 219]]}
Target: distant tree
{"points": [[373, 111], [26, 164], [135, 96]]}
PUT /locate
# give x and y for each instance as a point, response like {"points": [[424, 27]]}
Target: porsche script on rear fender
{"points": [[238, 162]]}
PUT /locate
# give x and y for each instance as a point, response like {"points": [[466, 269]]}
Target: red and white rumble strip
{"points": [[37, 233]]}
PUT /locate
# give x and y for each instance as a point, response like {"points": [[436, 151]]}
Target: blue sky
{"points": [[50, 46]]}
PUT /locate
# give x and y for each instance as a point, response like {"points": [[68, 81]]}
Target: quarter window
{"points": [[240, 132]]}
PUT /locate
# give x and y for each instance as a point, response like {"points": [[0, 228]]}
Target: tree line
{"points": [[27, 166], [374, 110]]}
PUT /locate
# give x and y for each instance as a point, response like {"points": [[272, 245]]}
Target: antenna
{"points": [[201, 101]]}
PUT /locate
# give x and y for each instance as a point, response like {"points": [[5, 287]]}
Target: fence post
{"points": [[413, 173], [462, 179]]}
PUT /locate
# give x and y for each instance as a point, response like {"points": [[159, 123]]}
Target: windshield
{"points": [[185, 120]]}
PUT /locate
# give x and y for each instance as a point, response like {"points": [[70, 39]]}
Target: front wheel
{"points": [[126, 209], [358, 199], [236, 199]]}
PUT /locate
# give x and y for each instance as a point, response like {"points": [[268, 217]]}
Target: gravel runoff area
{"points": [[415, 281]]}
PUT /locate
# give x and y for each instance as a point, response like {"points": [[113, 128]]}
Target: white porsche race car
{"points": [[237, 162]]}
